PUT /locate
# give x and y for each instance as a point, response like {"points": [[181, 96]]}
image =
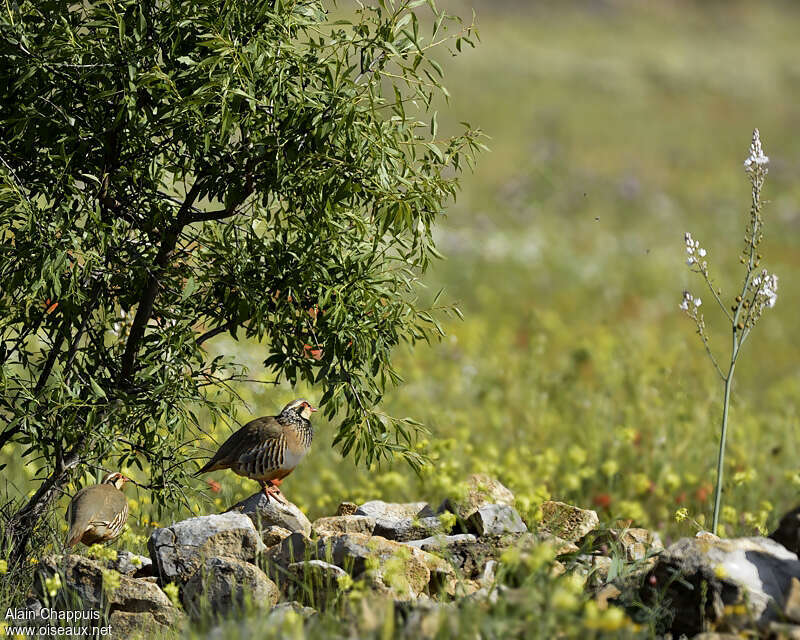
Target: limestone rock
{"points": [[139, 603], [347, 509], [720, 574], [440, 543], [496, 520], [336, 525], [405, 529], [791, 608], [386, 512], [636, 543], [567, 522], [266, 512], [130, 564], [224, 585], [404, 570], [315, 581], [481, 490], [180, 549], [271, 536], [294, 548]]}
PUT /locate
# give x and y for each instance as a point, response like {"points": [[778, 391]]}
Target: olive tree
{"points": [[172, 170]]}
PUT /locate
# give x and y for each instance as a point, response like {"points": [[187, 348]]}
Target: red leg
{"points": [[272, 490]]}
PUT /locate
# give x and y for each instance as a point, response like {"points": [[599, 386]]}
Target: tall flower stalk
{"points": [[759, 291]]}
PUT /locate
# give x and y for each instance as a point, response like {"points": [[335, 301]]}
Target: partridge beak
{"points": [[313, 410]]}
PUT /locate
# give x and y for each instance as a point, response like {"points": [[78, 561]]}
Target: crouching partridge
{"points": [[98, 513], [268, 449]]}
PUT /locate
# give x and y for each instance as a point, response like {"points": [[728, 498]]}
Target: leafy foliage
{"points": [[171, 171]]}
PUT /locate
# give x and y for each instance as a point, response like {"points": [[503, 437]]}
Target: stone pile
{"points": [[266, 555], [261, 552]]}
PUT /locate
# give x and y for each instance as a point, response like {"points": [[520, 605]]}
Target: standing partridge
{"points": [[268, 449], [98, 513]]}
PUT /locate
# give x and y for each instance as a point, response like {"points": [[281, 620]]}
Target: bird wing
{"points": [[258, 437], [97, 504]]}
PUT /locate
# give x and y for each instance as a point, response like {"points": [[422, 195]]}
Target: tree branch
{"points": [[144, 309]]}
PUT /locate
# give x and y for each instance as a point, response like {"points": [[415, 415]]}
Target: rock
{"points": [[425, 621], [637, 544], [408, 528], [481, 490], [294, 548], [381, 510], [279, 613], [265, 512], [315, 581], [130, 564], [711, 581], [347, 509], [180, 549], [496, 520], [463, 551], [440, 543], [271, 536], [608, 592], [567, 522], [224, 585], [791, 609], [125, 624], [788, 531], [336, 525], [560, 545], [403, 570], [140, 604], [783, 631]]}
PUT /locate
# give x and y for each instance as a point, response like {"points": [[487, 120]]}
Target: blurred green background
{"points": [[614, 128]]}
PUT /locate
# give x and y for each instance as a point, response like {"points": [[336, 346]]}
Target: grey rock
{"points": [[314, 582], [224, 585], [180, 549], [130, 564], [406, 529], [336, 525], [715, 573], [271, 536], [496, 520], [293, 548], [637, 544], [279, 612], [567, 522], [386, 565], [465, 551], [142, 602], [441, 542], [387, 514], [266, 512], [481, 490]]}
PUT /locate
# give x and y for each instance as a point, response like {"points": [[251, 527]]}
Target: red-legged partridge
{"points": [[98, 513], [268, 449]]}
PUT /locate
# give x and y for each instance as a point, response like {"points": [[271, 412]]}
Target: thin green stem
{"points": [[724, 434]]}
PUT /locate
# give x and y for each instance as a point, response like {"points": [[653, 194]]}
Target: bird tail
{"points": [[74, 536], [209, 466]]}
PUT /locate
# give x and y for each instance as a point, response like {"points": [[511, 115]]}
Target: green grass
{"points": [[574, 375]]}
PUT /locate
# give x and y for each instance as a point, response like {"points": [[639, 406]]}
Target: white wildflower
{"points": [[756, 157], [687, 300], [697, 302], [701, 253]]}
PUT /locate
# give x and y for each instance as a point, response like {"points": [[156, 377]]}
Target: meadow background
{"points": [[614, 128]]}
